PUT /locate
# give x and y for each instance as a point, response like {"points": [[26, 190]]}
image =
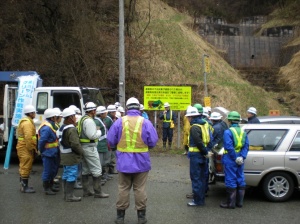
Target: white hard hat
{"points": [[205, 112], [118, 114], [121, 109], [141, 107], [76, 109], [50, 113], [166, 105], [252, 110], [192, 111], [89, 106], [133, 103], [29, 109], [215, 116], [209, 109], [111, 108], [68, 112], [117, 104], [77, 117], [101, 110], [58, 111]]}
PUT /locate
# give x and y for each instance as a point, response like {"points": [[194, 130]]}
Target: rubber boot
{"points": [[120, 216], [70, 197], [170, 146], [24, 186], [77, 185], [231, 198], [164, 146], [112, 170], [141, 216], [240, 193], [97, 188], [85, 186], [54, 187], [64, 188], [47, 188]]}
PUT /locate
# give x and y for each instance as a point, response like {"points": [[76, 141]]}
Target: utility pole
{"points": [[121, 54]]}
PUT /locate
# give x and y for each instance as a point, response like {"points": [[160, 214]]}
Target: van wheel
{"points": [[278, 186]]}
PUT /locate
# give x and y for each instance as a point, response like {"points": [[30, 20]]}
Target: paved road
{"points": [[168, 183]]}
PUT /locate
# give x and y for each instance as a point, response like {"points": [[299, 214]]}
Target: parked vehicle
{"points": [[273, 161]]}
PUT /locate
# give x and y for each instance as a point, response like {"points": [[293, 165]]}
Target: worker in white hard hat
{"points": [[132, 136], [89, 135], [199, 140], [109, 120], [219, 127], [102, 146], [120, 112], [252, 113], [71, 153], [48, 146], [169, 120], [26, 147]]}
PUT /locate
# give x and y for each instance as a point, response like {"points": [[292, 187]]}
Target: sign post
{"points": [[179, 98]]}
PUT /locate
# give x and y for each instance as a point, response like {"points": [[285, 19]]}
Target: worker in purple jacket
{"points": [[132, 135]]}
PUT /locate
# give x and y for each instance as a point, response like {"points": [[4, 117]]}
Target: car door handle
{"points": [[294, 158]]}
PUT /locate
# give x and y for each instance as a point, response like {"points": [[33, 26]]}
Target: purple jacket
{"points": [[128, 162]]}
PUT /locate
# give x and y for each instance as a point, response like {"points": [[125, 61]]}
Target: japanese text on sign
{"points": [[25, 94], [207, 102], [206, 65], [179, 97]]}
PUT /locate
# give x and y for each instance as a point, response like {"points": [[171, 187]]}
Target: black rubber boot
{"points": [[24, 186], [86, 186], [47, 188], [141, 216], [97, 188], [54, 187], [120, 216], [240, 196], [70, 197], [170, 145], [231, 198], [64, 188], [164, 145]]}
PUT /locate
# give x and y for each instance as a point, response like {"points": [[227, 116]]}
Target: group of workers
{"points": [[105, 138]]}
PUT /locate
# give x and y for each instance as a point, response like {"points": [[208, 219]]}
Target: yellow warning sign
{"points": [[274, 112], [206, 64], [179, 97], [207, 102]]}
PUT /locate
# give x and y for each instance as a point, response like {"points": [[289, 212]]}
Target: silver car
{"points": [[273, 161]]}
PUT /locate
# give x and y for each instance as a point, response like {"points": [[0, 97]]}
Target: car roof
{"points": [[273, 118], [271, 126]]}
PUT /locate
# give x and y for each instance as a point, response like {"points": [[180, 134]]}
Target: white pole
{"points": [[121, 54]]}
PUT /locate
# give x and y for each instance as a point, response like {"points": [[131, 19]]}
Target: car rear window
{"points": [[265, 140]]}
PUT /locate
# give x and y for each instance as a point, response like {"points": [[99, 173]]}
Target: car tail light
{"points": [[218, 164]]}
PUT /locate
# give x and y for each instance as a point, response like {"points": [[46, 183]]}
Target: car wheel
{"points": [[278, 186]]}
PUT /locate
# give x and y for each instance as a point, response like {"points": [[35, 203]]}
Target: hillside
{"points": [[171, 54]]}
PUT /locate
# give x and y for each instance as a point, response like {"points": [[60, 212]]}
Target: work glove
{"points": [[239, 160]]}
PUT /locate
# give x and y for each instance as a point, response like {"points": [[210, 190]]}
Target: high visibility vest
{"points": [[165, 117], [62, 148], [103, 134], [48, 145], [20, 137], [131, 138], [239, 137], [205, 136], [82, 137]]}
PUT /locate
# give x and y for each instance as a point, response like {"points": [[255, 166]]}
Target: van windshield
{"points": [[93, 95]]}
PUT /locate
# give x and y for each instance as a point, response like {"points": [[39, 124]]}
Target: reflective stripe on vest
{"points": [[205, 136], [61, 148], [165, 117], [21, 138], [131, 142], [239, 137], [104, 136], [48, 145], [80, 126]]}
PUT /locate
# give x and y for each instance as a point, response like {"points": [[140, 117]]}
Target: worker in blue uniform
{"points": [[48, 147], [236, 146], [199, 139]]}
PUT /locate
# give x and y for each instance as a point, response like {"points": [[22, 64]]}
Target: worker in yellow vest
{"points": [[48, 146], [26, 147]]}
